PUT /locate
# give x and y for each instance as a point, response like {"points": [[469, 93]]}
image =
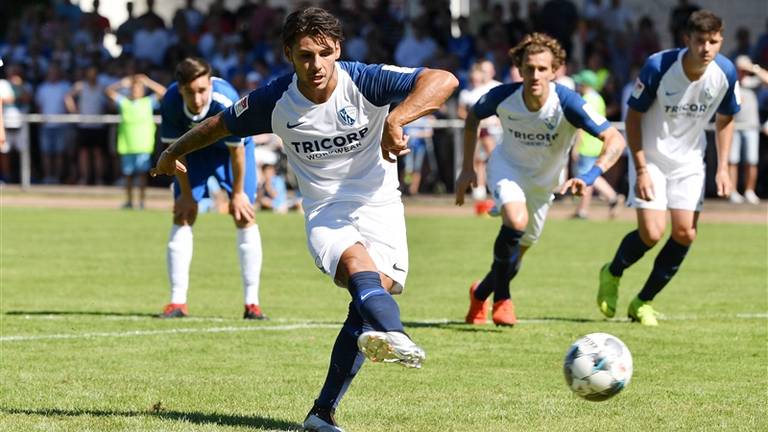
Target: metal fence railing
{"points": [[455, 125]]}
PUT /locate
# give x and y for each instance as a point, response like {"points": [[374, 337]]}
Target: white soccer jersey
{"points": [[333, 147], [536, 144], [677, 110]]}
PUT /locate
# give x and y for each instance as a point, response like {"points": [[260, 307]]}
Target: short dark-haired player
{"points": [[340, 137], [193, 98], [677, 93]]}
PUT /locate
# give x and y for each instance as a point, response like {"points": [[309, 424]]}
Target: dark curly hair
{"points": [[314, 22], [536, 43]]}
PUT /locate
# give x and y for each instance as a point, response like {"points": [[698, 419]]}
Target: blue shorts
{"points": [[584, 164], [135, 163], [415, 158], [214, 162]]}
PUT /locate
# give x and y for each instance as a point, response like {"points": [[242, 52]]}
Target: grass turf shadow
{"points": [[255, 421]]}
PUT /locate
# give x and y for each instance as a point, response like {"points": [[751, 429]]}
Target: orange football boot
{"points": [[504, 313], [478, 309]]}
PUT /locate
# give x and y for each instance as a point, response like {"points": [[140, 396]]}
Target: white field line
{"points": [[297, 325], [92, 335]]}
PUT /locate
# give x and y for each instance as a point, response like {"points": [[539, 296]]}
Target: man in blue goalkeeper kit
{"points": [[540, 119], [193, 98], [675, 96], [341, 141]]}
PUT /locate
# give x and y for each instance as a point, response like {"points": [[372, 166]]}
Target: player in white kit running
{"points": [[340, 139], [675, 96], [540, 119]]}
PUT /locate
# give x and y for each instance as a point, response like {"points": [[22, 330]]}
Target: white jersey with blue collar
{"points": [[676, 110], [177, 120], [334, 147], [537, 143]]}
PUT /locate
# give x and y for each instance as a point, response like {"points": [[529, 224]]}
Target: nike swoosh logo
{"points": [[291, 126], [366, 295], [394, 266], [672, 93]]}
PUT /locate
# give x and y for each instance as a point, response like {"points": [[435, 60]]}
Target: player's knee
{"points": [[651, 235], [684, 235], [515, 218]]}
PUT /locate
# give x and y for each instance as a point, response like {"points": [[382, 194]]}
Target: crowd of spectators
{"points": [[54, 52]]}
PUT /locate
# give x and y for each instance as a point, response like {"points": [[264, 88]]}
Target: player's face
{"points": [[314, 62], [704, 46], [197, 93], [537, 72]]}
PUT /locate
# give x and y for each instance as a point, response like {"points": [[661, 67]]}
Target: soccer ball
{"points": [[597, 366]]}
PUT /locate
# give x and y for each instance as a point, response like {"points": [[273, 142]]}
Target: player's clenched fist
{"points": [[393, 141], [167, 165]]}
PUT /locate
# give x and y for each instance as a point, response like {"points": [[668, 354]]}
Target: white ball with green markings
{"points": [[597, 366]]}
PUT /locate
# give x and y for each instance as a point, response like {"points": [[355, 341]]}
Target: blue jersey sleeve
{"points": [[579, 113], [224, 96], [382, 84], [171, 127], [487, 104], [252, 114], [731, 103], [647, 83]]}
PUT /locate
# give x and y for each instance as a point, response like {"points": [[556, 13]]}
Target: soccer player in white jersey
{"points": [[341, 141], [194, 97], [677, 93], [540, 119], [481, 80]]}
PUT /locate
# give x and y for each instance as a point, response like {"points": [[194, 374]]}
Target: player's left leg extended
{"points": [[387, 341], [667, 263]]}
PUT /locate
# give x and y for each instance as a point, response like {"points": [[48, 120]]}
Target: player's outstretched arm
{"points": [[468, 176], [202, 135], [430, 91], [724, 126]]}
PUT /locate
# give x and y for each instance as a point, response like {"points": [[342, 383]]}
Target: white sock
{"points": [[249, 251], [179, 257]]}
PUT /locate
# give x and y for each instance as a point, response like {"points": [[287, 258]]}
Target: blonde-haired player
{"points": [[540, 119]]}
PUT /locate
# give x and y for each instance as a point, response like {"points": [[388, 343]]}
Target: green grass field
{"points": [[82, 351]]}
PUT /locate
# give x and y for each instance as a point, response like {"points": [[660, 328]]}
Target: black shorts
{"points": [[95, 138]]}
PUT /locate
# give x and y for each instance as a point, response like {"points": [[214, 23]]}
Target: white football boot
{"points": [[391, 347]]}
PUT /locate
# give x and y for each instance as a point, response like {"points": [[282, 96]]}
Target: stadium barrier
{"points": [[455, 125]]}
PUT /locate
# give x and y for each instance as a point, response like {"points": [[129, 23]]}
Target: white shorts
{"points": [[680, 190], [749, 140], [14, 140], [507, 186], [334, 227]]}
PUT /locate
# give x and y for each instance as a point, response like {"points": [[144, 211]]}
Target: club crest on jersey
{"points": [[347, 115], [550, 122], [637, 90], [709, 94]]}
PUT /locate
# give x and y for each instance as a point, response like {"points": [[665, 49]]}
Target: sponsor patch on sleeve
{"points": [[398, 69], [638, 89], [241, 106]]}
